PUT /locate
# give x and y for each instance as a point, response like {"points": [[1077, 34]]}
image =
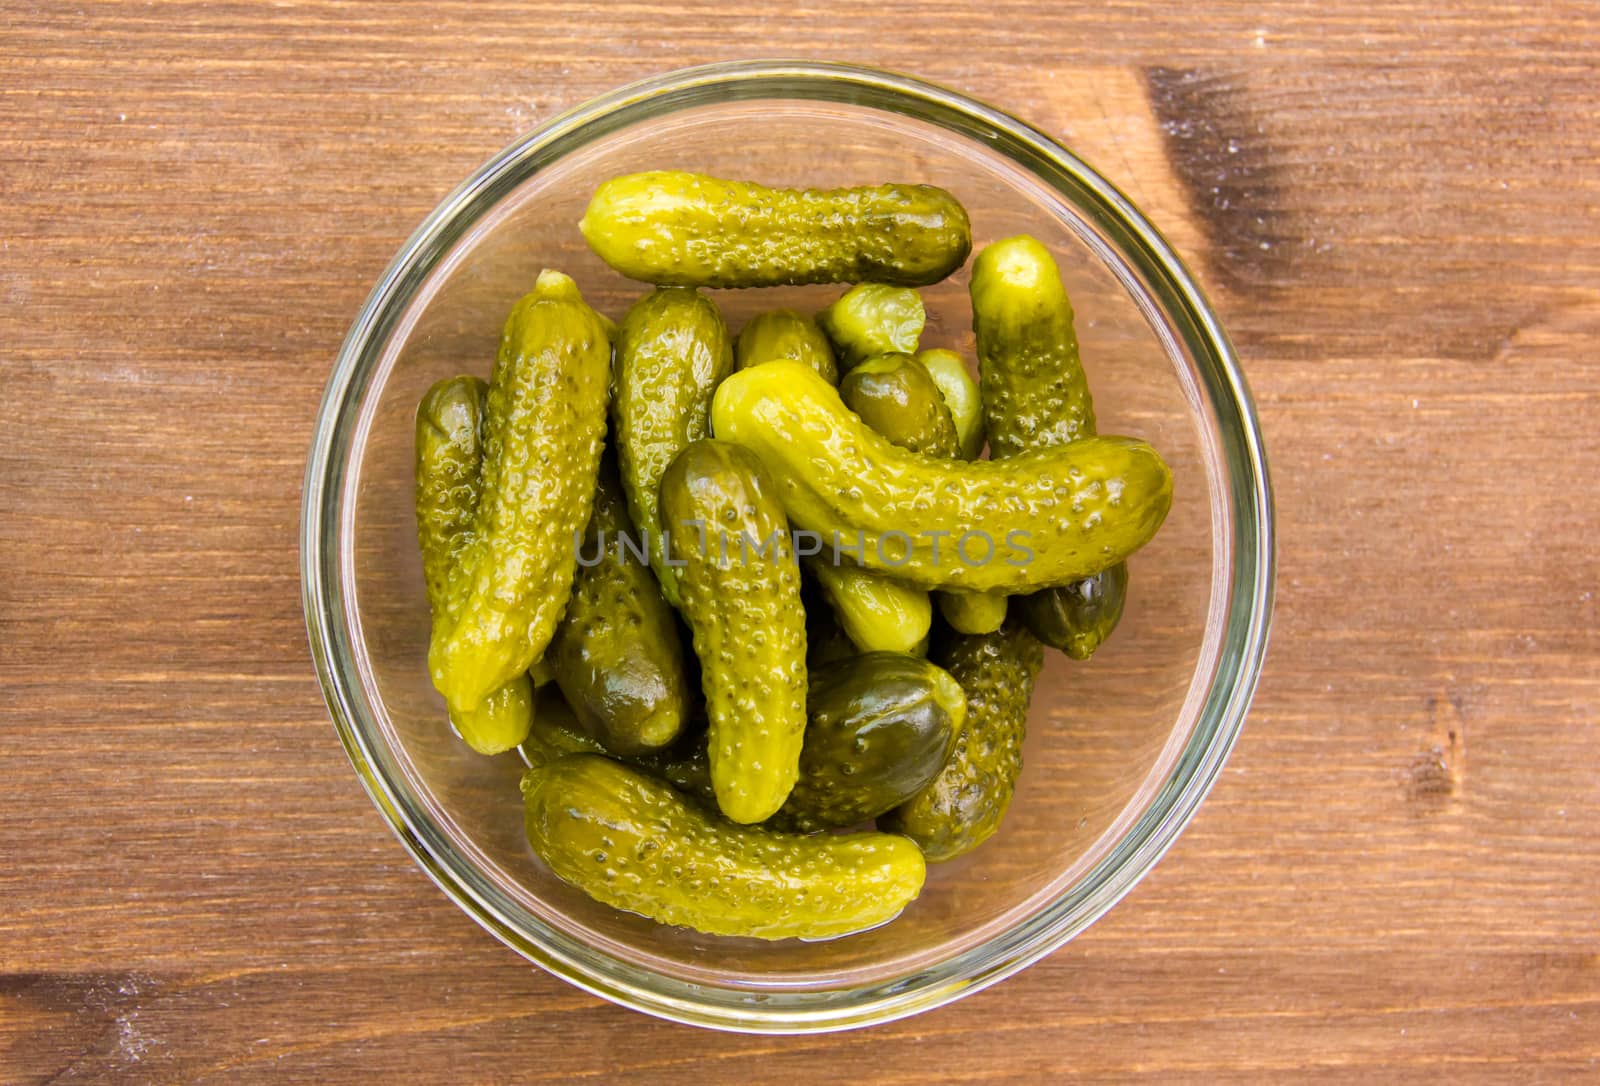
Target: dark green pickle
{"points": [[783, 333], [1035, 394], [964, 805], [673, 228], [896, 396], [880, 728], [616, 654]]}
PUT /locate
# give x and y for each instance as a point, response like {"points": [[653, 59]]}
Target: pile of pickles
{"points": [[779, 586]]}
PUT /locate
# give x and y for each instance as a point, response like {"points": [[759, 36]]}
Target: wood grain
{"points": [[1398, 214]]}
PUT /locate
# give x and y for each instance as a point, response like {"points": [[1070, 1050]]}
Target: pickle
{"points": [[783, 333], [1077, 618], [898, 398], [672, 351], [741, 597], [616, 654], [544, 419], [880, 728], [1051, 515], [635, 844], [961, 396], [686, 229], [873, 319], [878, 613], [964, 805], [1036, 394], [449, 460]]}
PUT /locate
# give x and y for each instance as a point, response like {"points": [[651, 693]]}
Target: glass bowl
{"points": [[1120, 750]]}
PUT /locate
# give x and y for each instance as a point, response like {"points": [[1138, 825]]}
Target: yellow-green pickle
{"points": [[673, 349], [1035, 394], [962, 397], [449, 463], [616, 654], [783, 333], [544, 420], [636, 844], [685, 229], [740, 589], [877, 613], [963, 806], [1042, 518], [873, 319]]}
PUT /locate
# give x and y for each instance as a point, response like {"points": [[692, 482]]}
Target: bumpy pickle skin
{"points": [[895, 396], [962, 397], [1053, 515], [783, 333], [880, 728], [685, 229], [964, 805], [635, 844], [449, 461], [873, 319], [1035, 395], [616, 654], [544, 420], [673, 349], [740, 589]]}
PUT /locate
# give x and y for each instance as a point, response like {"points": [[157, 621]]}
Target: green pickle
{"points": [[962, 398], [634, 843], [1035, 395], [543, 423], [672, 351], [616, 655], [873, 319], [880, 728], [685, 229], [449, 462], [741, 597], [783, 333], [964, 805], [877, 613], [898, 398], [1052, 515]]}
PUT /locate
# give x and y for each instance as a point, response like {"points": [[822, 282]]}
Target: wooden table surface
{"points": [[1398, 216]]}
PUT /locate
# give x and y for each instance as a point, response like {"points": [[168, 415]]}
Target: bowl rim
{"points": [[1142, 843]]}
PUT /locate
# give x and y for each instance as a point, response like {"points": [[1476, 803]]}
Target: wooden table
{"points": [[1397, 214]]}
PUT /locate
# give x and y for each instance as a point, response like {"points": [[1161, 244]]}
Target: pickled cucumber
{"points": [[880, 728], [449, 461], [898, 398], [873, 319], [964, 805], [783, 333], [544, 419], [741, 596], [616, 654], [672, 351], [1036, 394], [878, 613], [634, 843], [962, 397], [1051, 515], [686, 229]]}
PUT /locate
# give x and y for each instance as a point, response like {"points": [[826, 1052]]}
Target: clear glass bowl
{"points": [[1120, 750]]}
